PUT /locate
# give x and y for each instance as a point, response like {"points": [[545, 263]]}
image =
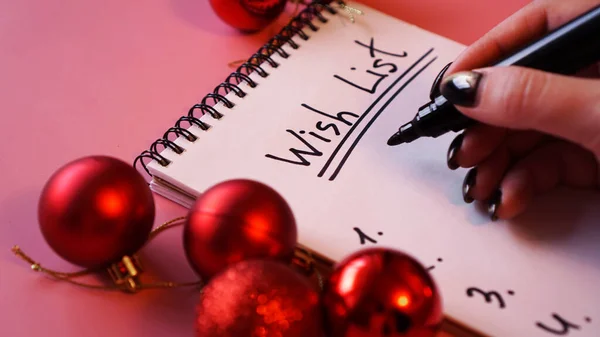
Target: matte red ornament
{"points": [[95, 210], [259, 298], [237, 220], [248, 15], [381, 292]]}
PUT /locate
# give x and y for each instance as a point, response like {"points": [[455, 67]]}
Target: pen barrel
{"points": [[430, 123], [566, 50]]}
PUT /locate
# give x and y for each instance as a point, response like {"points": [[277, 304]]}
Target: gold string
{"points": [[133, 286], [35, 266], [68, 277], [350, 10], [167, 225]]}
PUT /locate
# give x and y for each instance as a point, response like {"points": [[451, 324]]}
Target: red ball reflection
{"points": [[238, 220], [95, 210], [381, 292], [248, 15], [259, 298]]}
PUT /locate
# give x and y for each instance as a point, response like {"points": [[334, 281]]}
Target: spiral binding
{"points": [[295, 27]]}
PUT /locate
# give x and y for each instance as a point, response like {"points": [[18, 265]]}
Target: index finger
{"points": [[527, 24]]}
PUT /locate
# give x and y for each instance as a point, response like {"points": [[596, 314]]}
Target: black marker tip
{"points": [[406, 134], [396, 139]]}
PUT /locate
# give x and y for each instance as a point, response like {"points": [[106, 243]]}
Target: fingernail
{"points": [[435, 88], [468, 184], [461, 88], [453, 150], [494, 204]]}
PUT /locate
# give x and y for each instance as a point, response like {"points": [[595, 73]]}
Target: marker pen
{"points": [[565, 50]]}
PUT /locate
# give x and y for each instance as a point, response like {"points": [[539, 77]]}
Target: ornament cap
{"points": [[126, 272], [303, 261]]}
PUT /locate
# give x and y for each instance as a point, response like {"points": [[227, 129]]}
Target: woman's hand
{"points": [[538, 131]]}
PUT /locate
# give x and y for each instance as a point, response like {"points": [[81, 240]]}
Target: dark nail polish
{"points": [[494, 204], [435, 88], [453, 150], [461, 88], [468, 184]]}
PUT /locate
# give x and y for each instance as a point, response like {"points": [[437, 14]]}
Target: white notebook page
{"points": [[544, 268]]}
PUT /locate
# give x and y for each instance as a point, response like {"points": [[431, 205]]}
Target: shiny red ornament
{"points": [[95, 210], [237, 220], [259, 298], [248, 15], [381, 292]]}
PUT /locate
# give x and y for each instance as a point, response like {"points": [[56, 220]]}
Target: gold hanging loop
{"points": [[125, 274]]}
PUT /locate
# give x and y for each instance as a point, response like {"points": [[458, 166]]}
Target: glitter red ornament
{"points": [[95, 210], [381, 292], [248, 15], [237, 220], [259, 298]]}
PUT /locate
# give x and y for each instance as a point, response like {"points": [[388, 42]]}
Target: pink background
{"points": [[109, 77]]}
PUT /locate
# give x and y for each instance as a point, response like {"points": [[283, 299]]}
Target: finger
{"points": [[527, 24], [529, 99], [478, 142], [513, 197], [474, 145], [481, 181], [553, 164], [520, 142]]}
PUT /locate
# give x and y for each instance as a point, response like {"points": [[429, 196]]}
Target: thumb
{"points": [[528, 99]]}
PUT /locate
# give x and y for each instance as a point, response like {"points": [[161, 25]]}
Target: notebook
{"points": [[312, 121]]}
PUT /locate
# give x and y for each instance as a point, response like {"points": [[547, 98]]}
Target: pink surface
{"points": [[109, 77]]}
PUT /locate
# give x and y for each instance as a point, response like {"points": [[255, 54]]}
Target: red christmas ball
{"points": [[381, 292], [238, 220], [95, 210], [248, 15], [259, 298]]}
